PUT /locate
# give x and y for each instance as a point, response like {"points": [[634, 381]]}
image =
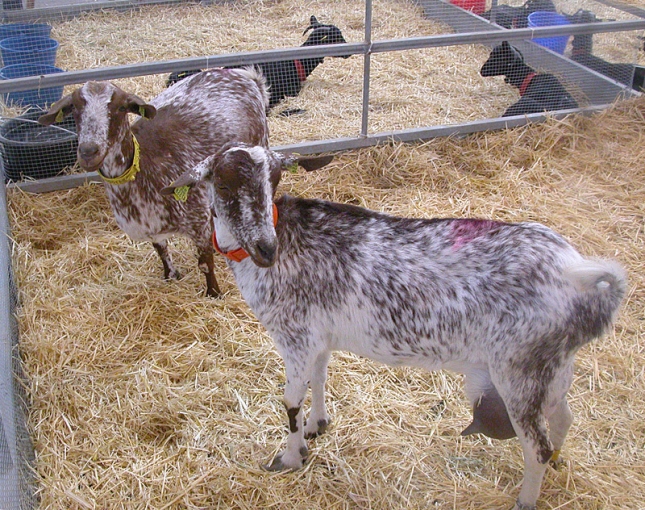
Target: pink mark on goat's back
{"points": [[465, 231]]}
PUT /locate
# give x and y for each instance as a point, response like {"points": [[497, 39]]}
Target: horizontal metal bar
{"points": [[57, 183], [497, 35], [493, 36], [167, 66], [427, 133], [629, 9], [70, 11], [342, 144]]}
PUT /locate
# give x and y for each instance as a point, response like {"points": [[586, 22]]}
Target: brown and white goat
{"points": [[178, 129], [506, 304]]}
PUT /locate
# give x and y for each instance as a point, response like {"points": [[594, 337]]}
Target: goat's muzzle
{"points": [[264, 253], [89, 157]]}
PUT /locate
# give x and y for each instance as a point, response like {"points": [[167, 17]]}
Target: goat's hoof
{"points": [[213, 293], [321, 427], [520, 506], [277, 464], [172, 275], [555, 458]]}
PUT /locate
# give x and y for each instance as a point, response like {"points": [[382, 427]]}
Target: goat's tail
{"points": [[601, 286]]}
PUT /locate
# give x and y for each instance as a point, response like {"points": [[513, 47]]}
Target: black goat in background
{"points": [[582, 44], [539, 91], [285, 77], [581, 52]]}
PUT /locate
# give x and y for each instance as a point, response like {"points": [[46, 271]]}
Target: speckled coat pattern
{"points": [[179, 128], [506, 304]]}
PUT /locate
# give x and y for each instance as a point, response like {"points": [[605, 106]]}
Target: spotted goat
{"points": [[177, 129], [506, 304]]}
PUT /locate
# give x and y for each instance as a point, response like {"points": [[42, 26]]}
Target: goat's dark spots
{"points": [[292, 413], [173, 138], [322, 428]]}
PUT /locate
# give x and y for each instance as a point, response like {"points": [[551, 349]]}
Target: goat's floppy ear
{"points": [[138, 106], [58, 111], [310, 164], [200, 172]]}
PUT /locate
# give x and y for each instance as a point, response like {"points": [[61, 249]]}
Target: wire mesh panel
{"points": [[33, 151], [423, 64], [420, 63], [17, 484]]}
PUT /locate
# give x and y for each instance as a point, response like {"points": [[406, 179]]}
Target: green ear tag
{"points": [[293, 168], [59, 116], [142, 111], [181, 193]]}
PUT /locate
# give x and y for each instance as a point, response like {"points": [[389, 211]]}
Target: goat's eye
{"points": [[122, 108], [223, 189]]}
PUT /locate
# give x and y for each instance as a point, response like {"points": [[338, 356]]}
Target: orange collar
{"points": [[240, 254], [300, 69], [526, 82]]}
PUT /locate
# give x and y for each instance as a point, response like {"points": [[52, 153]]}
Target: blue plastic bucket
{"points": [[25, 30], [41, 98], [540, 19], [28, 50]]}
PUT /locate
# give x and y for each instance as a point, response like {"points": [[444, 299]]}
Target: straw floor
{"points": [[146, 394]]}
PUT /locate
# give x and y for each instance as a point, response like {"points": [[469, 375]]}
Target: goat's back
{"points": [[200, 114], [425, 289], [549, 91]]}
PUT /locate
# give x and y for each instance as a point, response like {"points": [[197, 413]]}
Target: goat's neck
{"points": [[225, 239], [119, 157], [309, 64], [518, 74], [582, 44]]}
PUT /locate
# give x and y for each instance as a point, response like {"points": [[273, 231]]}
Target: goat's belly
{"points": [[140, 219], [149, 229], [391, 353]]}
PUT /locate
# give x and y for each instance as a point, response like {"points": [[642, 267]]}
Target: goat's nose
{"points": [[265, 253], [88, 150]]}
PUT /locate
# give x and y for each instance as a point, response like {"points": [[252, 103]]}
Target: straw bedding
{"points": [[146, 394]]}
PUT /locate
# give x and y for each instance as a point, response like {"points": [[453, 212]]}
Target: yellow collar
{"points": [[130, 173]]}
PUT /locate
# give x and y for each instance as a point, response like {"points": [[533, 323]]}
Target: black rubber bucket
{"points": [[32, 151]]}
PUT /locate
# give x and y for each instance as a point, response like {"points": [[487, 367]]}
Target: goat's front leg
{"points": [[318, 420], [169, 270], [294, 455]]}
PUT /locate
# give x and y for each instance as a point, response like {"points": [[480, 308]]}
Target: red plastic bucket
{"points": [[475, 6]]}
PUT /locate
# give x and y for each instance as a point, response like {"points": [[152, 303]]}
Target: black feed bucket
{"points": [[32, 151]]}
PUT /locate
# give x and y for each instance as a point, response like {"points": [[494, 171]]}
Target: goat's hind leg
{"points": [[559, 422], [525, 398], [559, 416], [169, 270]]}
